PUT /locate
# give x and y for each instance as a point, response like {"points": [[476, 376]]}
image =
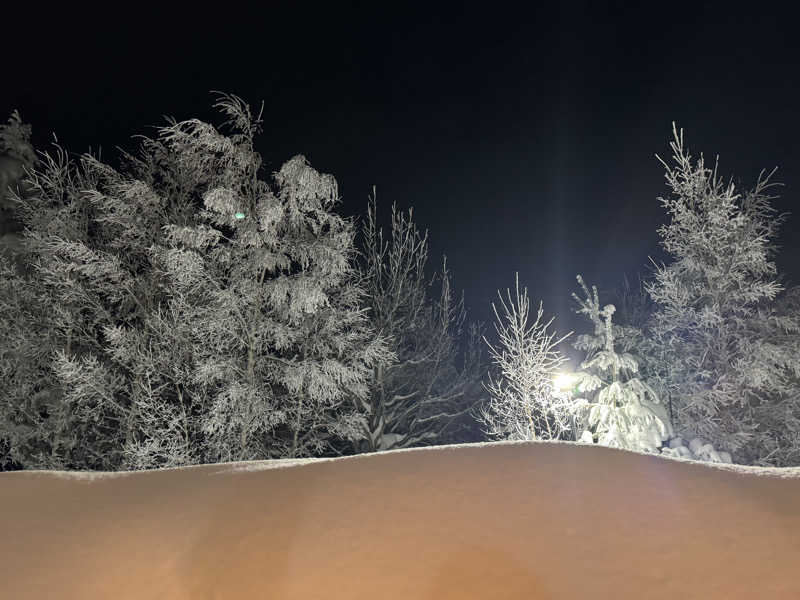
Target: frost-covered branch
{"points": [[419, 395], [523, 403]]}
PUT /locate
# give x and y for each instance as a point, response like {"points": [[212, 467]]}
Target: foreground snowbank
{"points": [[502, 520]]}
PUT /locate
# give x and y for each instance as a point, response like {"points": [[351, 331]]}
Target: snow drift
{"points": [[502, 520]]}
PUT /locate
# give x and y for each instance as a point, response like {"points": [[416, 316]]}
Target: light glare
{"points": [[563, 381]]}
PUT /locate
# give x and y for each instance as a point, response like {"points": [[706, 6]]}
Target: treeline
{"points": [[187, 308], [183, 310], [703, 360]]}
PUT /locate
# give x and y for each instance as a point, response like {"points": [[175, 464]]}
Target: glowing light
{"points": [[563, 381], [239, 215]]}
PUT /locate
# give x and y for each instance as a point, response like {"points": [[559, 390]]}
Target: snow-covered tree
{"points": [[523, 401], [91, 229], [623, 412], [58, 313], [26, 381], [16, 156], [633, 321], [283, 342], [724, 367], [769, 362], [15, 141], [426, 393], [176, 336]]}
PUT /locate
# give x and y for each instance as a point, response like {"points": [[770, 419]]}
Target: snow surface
{"points": [[500, 520]]}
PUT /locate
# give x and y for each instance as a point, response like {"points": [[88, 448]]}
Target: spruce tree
{"points": [[619, 409], [726, 371]]}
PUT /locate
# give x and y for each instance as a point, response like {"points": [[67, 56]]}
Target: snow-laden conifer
{"points": [[633, 321], [619, 409], [728, 370]]}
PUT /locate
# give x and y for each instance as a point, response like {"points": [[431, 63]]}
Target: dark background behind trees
{"points": [[524, 141], [523, 138]]}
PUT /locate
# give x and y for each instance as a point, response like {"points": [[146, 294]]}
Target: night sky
{"points": [[525, 141]]}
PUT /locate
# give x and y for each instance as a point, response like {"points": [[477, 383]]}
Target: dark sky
{"points": [[525, 141]]}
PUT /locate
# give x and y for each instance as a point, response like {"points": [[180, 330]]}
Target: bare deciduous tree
{"points": [[427, 392], [523, 404]]}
